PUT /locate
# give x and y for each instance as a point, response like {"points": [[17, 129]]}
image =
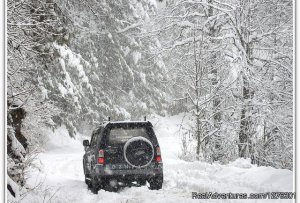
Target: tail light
{"points": [[158, 158], [101, 159], [158, 155]]}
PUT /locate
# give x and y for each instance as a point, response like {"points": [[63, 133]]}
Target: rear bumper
{"points": [[154, 169]]}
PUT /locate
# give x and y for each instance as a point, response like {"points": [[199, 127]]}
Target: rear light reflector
{"points": [[101, 156], [158, 151], [158, 158], [158, 155], [101, 153], [100, 160]]}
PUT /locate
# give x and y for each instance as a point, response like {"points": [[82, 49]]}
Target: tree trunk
{"points": [[245, 124], [197, 84], [214, 81], [198, 134]]}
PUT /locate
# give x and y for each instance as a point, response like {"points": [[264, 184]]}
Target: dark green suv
{"points": [[123, 153]]}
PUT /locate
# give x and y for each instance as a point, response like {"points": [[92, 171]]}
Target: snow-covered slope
{"points": [[63, 180]]}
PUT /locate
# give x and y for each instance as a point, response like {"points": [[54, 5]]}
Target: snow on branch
{"points": [[135, 25]]}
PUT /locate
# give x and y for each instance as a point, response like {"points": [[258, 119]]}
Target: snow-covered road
{"points": [[63, 180]]}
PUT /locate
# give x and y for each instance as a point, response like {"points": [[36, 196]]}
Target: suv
{"points": [[122, 153]]}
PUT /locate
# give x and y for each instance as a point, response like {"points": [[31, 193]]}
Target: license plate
{"points": [[119, 166]]}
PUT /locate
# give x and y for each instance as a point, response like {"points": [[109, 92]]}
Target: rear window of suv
{"points": [[121, 135]]}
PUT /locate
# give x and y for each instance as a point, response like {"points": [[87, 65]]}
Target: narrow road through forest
{"points": [[63, 179]]}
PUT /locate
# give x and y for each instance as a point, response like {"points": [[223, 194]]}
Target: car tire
{"points": [[94, 186], [141, 182], [86, 179], [85, 174], [130, 143], [156, 182]]}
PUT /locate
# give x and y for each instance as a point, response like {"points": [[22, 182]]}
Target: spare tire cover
{"points": [[138, 152]]}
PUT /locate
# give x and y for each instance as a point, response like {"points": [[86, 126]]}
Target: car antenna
{"points": [[145, 118]]}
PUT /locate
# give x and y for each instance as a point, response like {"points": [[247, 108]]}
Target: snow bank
{"points": [[241, 163], [263, 179]]}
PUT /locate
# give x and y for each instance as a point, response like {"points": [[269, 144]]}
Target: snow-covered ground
{"points": [[63, 179]]}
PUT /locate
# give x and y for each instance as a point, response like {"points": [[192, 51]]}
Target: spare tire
{"points": [[138, 152]]}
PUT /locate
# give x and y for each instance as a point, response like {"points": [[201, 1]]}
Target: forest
{"points": [[227, 66]]}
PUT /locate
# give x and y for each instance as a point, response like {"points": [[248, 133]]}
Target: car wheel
{"points": [[141, 182], [94, 186], [156, 182], [86, 180], [138, 152]]}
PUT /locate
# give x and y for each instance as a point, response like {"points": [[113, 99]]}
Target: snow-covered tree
{"points": [[125, 76], [241, 44], [199, 69], [30, 26]]}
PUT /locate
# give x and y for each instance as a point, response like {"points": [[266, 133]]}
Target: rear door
{"points": [[116, 137]]}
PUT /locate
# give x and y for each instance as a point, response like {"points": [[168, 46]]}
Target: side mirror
{"points": [[86, 143]]}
